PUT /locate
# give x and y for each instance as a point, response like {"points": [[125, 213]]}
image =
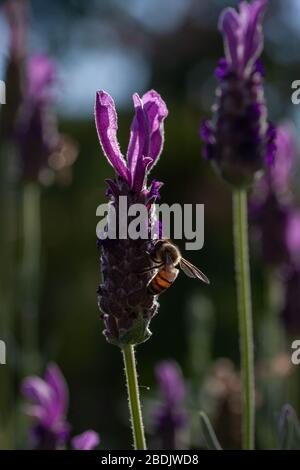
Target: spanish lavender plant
{"points": [[125, 303], [170, 417], [277, 223], [49, 399], [239, 140], [240, 143]]}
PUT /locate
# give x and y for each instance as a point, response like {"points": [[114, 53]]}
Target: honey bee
{"points": [[166, 256]]}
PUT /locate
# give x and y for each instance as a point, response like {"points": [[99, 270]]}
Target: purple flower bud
{"points": [[86, 441], [170, 417], [239, 140], [126, 305]]}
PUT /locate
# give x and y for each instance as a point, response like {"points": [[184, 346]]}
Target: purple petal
{"points": [[251, 16], [228, 25], [36, 390], [243, 35], [147, 136], [106, 124], [156, 111], [138, 147], [58, 385], [86, 441]]}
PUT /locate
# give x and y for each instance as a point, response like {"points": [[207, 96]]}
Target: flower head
{"points": [[170, 416], [49, 401], [126, 305], [239, 140]]}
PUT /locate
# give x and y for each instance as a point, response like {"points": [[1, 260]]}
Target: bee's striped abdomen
{"points": [[159, 283]]}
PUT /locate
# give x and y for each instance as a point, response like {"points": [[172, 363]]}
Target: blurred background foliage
{"points": [[123, 47]]}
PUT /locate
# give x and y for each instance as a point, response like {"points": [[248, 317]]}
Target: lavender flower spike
{"points": [[49, 398], [126, 305], [170, 417], [239, 140]]}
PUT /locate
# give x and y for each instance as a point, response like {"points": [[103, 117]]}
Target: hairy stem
{"points": [[245, 315], [133, 398]]}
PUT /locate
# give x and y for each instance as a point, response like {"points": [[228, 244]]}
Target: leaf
{"points": [[208, 434]]}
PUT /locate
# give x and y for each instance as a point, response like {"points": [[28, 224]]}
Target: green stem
{"points": [[133, 398], [30, 277], [245, 315]]}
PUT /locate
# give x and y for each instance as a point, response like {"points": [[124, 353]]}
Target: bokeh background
{"points": [[123, 47]]}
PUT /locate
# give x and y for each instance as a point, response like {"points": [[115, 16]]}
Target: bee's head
{"points": [[171, 253]]}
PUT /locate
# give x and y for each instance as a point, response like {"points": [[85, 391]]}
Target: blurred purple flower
{"points": [[37, 132], [272, 209], [239, 140], [170, 417], [286, 149], [86, 441], [126, 305], [49, 399]]}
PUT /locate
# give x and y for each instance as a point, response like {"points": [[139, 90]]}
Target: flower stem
{"points": [[30, 278], [245, 315], [133, 398]]}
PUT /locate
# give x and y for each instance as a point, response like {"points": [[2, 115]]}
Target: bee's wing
{"points": [[191, 271]]}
